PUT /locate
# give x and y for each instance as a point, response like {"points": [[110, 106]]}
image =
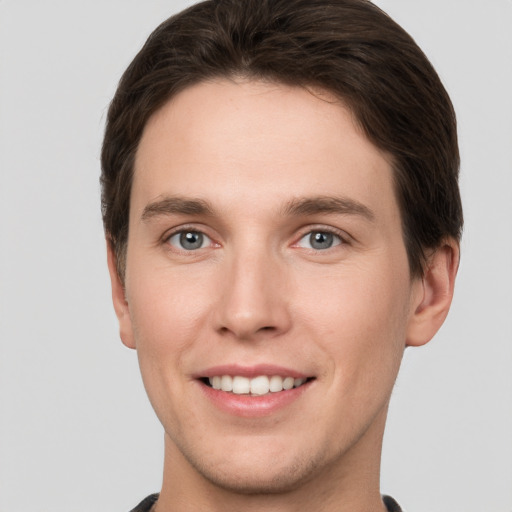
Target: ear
{"points": [[119, 299], [435, 294]]}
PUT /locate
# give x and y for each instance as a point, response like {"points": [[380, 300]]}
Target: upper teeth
{"points": [[260, 385]]}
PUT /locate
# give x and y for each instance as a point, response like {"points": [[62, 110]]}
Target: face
{"points": [[267, 286]]}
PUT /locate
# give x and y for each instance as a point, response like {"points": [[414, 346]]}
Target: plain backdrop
{"points": [[76, 430]]}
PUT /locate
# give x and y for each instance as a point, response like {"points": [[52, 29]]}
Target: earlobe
{"points": [[119, 299], [434, 300]]}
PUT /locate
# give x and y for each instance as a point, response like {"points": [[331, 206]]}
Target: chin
{"points": [[269, 474], [269, 481]]}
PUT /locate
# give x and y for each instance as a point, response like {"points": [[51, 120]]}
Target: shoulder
{"points": [[391, 504], [146, 504]]}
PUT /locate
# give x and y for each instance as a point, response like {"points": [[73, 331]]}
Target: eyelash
{"points": [[341, 237], [182, 230]]}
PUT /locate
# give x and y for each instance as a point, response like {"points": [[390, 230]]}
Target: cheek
{"points": [[360, 319], [166, 310], [165, 317]]}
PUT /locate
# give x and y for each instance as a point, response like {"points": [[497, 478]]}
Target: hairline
{"points": [[317, 89]]}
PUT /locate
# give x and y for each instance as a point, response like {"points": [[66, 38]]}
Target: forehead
{"points": [[236, 141]]}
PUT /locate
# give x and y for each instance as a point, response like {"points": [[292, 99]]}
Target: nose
{"points": [[254, 297]]}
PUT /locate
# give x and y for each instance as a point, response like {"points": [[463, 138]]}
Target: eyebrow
{"points": [[176, 205], [296, 207], [327, 204]]}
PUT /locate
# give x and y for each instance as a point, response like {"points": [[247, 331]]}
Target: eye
{"points": [[319, 240], [189, 240]]}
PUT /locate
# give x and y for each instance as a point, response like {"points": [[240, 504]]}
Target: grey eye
{"points": [[319, 240], [189, 240]]}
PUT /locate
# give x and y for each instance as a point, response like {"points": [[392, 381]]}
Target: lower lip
{"points": [[248, 406]]}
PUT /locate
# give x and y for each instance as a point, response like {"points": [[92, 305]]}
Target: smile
{"points": [[256, 386]]}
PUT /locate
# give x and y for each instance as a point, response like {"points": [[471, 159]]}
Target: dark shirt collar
{"points": [[146, 504]]}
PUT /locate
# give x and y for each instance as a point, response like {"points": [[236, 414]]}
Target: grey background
{"points": [[76, 431]]}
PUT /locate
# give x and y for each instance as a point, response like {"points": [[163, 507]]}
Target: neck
{"points": [[349, 483]]}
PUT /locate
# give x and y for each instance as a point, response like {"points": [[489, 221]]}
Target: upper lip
{"points": [[250, 371]]}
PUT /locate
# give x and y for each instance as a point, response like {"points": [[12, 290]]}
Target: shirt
{"points": [[146, 504]]}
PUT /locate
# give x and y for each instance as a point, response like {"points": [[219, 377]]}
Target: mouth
{"points": [[256, 391], [259, 385]]}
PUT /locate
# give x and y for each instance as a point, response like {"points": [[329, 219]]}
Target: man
{"points": [[283, 218]]}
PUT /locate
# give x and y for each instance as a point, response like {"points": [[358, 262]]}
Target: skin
{"points": [[257, 292]]}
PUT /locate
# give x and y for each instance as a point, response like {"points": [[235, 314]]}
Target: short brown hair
{"points": [[348, 47]]}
